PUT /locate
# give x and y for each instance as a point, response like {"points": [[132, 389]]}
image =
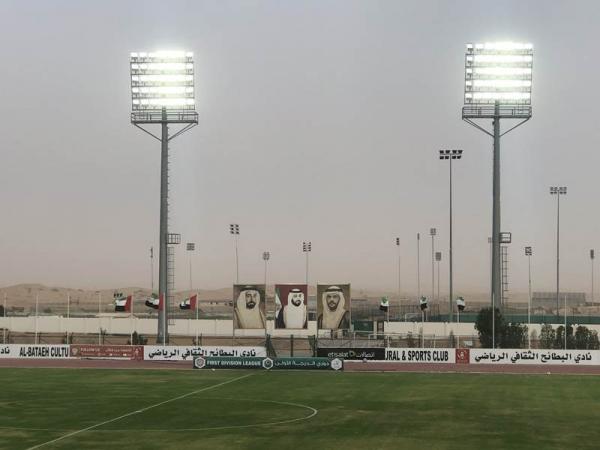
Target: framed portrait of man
{"points": [[333, 306], [249, 306], [291, 306]]}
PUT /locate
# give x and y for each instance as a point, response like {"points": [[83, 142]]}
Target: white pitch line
{"points": [[138, 411]]}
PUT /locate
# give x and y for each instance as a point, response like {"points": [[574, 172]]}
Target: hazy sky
{"points": [[319, 120]]}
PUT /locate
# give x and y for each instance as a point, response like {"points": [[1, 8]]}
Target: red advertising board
{"points": [[107, 351], [462, 356]]}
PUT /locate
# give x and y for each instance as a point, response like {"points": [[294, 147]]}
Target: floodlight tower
{"points": [[162, 92], [497, 86]]}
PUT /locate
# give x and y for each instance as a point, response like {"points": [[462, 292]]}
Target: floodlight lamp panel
{"points": [[162, 80], [498, 72]]}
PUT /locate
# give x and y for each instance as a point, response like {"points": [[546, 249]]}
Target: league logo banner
{"points": [[249, 306], [291, 306], [333, 306]]}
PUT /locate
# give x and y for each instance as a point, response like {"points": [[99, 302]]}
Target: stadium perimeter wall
{"points": [[114, 324]]}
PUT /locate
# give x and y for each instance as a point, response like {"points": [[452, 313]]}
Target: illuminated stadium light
{"points": [[498, 72], [162, 80], [498, 82], [162, 93]]}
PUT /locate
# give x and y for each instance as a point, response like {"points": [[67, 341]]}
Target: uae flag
{"points": [[123, 304], [189, 303], [384, 305], [155, 303]]}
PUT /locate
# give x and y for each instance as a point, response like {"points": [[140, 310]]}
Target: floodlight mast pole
{"points": [[513, 67], [163, 310], [152, 104], [496, 276]]}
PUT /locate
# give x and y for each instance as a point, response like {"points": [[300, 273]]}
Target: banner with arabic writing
{"points": [[540, 357], [187, 353]]}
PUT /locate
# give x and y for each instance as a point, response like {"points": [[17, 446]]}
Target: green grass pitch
{"points": [[354, 410]]}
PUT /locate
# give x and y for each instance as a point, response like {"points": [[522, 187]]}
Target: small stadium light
{"points": [[438, 256], [307, 246], [432, 232], [423, 303], [592, 253], [460, 304], [266, 256], [234, 228], [190, 246], [398, 241], [528, 251]]}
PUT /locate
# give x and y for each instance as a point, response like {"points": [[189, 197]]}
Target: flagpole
{"points": [[37, 297], [99, 320], [131, 320], [197, 318]]}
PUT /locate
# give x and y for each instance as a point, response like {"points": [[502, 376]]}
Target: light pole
{"points": [[558, 191], [490, 261], [234, 229], [398, 245], [450, 155], [528, 253], [190, 247], [5, 324], [266, 256], [438, 258], [307, 248], [432, 233], [498, 79], [419, 265], [99, 318], [162, 93], [592, 261], [37, 301]]}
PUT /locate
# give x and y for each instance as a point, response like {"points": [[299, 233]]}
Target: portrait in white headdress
{"points": [[291, 307], [333, 307], [249, 307]]}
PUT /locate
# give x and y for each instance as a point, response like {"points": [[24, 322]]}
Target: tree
{"points": [[559, 343], [547, 336], [515, 336], [484, 326], [586, 339]]}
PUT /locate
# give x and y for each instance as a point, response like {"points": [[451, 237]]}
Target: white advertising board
{"points": [[540, 357], [184, 353], [34, 351], [421, 355]]}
